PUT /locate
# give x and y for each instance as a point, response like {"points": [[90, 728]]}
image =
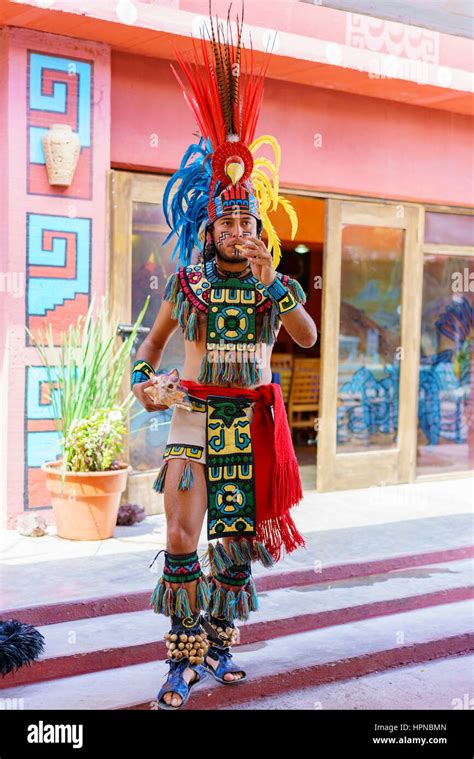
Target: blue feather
{"points": [[186, 211]]}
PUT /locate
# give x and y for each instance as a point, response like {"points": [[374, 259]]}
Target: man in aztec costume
{"points": [[232, 455]]}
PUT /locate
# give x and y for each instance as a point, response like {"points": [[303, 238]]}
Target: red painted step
{"points": [[96, 661], [320, 674], [48, 614]]}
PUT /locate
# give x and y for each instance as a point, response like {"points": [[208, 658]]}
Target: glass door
{"points": [[370, 344], [446, 378], [139, 265]]}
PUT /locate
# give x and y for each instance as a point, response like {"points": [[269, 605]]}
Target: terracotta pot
{"points": [[86, 507]]}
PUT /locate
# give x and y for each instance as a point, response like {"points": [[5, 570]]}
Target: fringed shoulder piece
{"points": [[296, 290], [184, 310], [172, 287]]}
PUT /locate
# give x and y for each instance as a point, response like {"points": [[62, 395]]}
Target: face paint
{"points": [[226, 234], [223, 236]]}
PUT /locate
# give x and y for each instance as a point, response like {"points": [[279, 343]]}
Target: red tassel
{"points": [[277, 532], [287, 487]]}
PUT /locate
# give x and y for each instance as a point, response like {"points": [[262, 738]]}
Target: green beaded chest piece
{"points": [[232, 316], [235, 337], [231, 335]]}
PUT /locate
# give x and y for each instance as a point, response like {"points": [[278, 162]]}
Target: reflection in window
{"points": [[369, 337], [151, 266], [445, 394]]}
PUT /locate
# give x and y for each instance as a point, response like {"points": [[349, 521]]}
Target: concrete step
{"points": [[442, 684], [97, 643], [344, 529], [395, 595], [308, 572], [277, 665]]}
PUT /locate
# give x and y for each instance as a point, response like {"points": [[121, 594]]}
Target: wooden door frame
{"points": [[426, 249], [123, 188], [340, 471], [462, 251]]}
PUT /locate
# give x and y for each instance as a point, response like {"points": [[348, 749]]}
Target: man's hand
{"points": [[260, 259], [144, 398]]}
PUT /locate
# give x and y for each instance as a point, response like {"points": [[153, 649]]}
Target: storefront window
{"points": [[369, 337], [445, 433], [449, 228], [151, 266]]}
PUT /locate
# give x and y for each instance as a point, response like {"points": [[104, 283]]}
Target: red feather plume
{"points": [[222, 87]]}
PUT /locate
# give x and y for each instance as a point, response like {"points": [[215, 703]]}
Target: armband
{"points": [[281, 296], [141, 371]]}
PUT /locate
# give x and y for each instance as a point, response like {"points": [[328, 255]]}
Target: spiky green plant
{"points": [[85, 372]]}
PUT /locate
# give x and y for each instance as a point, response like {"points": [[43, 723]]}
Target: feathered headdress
{"points": [[222, 173]]}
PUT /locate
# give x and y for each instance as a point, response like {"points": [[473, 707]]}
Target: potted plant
{"points": [[85, 373]]}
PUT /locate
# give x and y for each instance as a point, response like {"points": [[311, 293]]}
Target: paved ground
{"points": [[374, 613]]}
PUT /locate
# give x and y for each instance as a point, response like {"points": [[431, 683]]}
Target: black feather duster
{"points": [[20, 644]]}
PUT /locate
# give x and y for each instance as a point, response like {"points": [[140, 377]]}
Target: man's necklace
{"points": [[228, 274]]}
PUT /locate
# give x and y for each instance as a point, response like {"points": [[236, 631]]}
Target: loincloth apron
{"points": [[251, 470]]}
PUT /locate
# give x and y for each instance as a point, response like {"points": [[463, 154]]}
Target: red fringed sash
{"points": [[277, 477]]}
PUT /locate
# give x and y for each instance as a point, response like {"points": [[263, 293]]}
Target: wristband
{"points": [[281, 296], [141, 371]]}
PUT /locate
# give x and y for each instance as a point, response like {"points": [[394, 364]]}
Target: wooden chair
{"points": [[283, 364], [303, 403]]}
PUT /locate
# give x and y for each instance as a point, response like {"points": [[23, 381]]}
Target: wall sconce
{"points": [[61, 148]]}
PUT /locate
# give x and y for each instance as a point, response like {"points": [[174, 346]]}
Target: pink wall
{"points": [[310, 35], [330, 140], [4, 268], [53, 243]]}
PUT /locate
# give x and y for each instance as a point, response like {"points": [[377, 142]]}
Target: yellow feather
{"points": [[272, 166], [262, 186], [267, 139], [273, 239], [290, 210], [267, 192], [263, 163]]}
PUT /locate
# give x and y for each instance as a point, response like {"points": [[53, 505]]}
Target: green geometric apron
{"points": [[229, 468]]}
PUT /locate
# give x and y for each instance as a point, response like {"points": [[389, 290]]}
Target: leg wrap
{"points": [[187, 639], [180, 568], [240, 551], [237, 601]]}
